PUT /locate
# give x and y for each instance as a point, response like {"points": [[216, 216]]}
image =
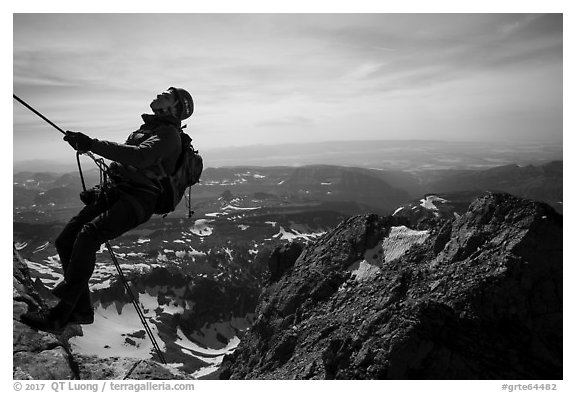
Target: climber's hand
{"points": [[78, 141]]}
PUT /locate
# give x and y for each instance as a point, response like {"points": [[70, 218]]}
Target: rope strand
{"points": [[103, 173], [135, 303], [38, 113]]}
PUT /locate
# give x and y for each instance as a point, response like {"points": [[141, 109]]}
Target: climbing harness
{"points": [[103, 182]]}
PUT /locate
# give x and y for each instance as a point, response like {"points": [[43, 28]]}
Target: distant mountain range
{"points": [[543, 183], [407, 155], [380, 190]]}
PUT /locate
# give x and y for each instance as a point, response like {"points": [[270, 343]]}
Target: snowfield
{"points": [[117, 331], [399, 240], [110, 334]]}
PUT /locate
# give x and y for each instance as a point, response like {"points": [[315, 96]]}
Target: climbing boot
{"points": [[83, 313], [53, 320]]}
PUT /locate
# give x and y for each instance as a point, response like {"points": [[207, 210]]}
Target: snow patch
{"points": [[194, 252], [20, 246], [117, 327], [400, 240], [42, 247], [369, 265], [210, 353], [214, 361], [101, 285], [215, 214], [208, 335], [231, 207], [42, 271], [292, 234], [150, 303], [362, 270], [206, 346], [428, 202], [201, 228]]}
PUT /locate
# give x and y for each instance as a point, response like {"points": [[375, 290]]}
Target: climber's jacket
{"points": [[148, 151]]}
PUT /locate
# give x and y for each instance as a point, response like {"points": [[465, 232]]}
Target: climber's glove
{"points": [[79, 141]]}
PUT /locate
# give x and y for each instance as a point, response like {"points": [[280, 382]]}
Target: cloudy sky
{"points": [[277, 78]]}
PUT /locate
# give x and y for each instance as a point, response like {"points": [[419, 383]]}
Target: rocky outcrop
{"points": [[41, 355], [283, 258], [474, 297]]}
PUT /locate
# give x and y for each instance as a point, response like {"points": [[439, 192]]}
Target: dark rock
{"points": [[283, 350], [36, 354], [44, 364], [283, 258], [41, 355], [479, 298], [119, 368], [336, 356], [227, 196]]}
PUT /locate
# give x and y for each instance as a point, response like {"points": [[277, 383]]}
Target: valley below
{"points": [[199, 279]]}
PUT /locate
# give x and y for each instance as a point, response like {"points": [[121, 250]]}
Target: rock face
{"points": [[282, 259], [40, 355], [474, 297]]}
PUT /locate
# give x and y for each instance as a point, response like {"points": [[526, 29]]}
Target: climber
{"points": [[127, 200]]}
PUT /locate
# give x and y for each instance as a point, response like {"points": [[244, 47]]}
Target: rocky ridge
{"points": [[41, 355], [477, 296]]}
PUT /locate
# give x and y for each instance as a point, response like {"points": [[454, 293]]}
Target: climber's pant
{"points": [[109, 217]]}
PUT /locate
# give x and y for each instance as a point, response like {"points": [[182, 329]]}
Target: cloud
{"points": [[366, 70], [517, 24], [316, 74]]}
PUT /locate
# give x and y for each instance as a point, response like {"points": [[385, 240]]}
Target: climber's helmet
{"points": [[174, 101], [185, 104]]}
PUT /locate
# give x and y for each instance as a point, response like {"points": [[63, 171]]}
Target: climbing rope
{"points": [[103, 183]]}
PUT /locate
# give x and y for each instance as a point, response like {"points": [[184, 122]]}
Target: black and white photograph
{"points": [[288, 196]]}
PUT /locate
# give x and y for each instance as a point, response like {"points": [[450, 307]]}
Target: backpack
{"points": [[187, 173]]}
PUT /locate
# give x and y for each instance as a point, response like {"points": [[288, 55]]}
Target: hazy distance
{"points": [[273, 79]]}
